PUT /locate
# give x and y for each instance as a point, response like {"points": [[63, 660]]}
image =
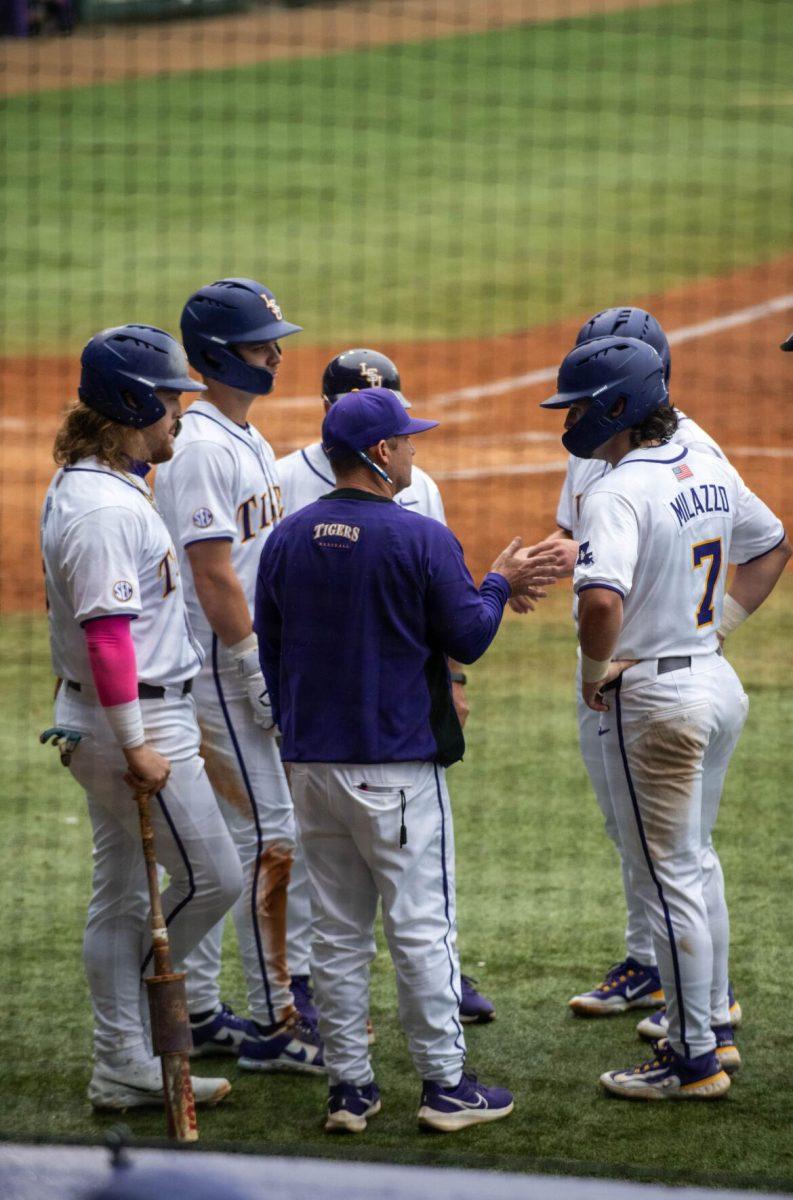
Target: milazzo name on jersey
{"points": [[700, 498]]}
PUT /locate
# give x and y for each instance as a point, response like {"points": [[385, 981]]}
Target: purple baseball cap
{"points": [[361, 419]]}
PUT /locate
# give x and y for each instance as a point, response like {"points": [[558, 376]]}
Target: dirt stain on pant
{"points": [[272, 881], [226, 780], [665, 762]]}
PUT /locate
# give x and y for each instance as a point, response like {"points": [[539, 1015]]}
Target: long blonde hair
{"points": [[85, 433]]}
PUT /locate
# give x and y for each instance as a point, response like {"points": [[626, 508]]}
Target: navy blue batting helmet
{"points": [[123, 366], [604, 371], [629, 322], [354, 370], [230, 313]]}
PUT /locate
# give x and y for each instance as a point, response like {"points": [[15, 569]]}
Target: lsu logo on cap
{"points": [[273, 306], [122, 590], [203, 518]]}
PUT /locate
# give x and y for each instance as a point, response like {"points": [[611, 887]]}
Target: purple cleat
{"points": [[292, 1046], [469, 1103], [628, 984], [303, 997], [475, 1009], [219, 1032], [656, 1025], [349, 1105], [669, 1076]]}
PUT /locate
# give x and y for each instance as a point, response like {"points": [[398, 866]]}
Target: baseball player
{"points": [[633, 982], [126, 661], [220, 498], [358, 604], [306, 475], [657, 533]]}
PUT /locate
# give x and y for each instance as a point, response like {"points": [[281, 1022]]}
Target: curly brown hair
{"points": [[85, 433], [657, 426]]}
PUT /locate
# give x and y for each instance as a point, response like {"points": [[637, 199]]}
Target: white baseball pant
{"points": [[667, 740], [638, 934], [382, 832], [192, 844], [245, 770]]}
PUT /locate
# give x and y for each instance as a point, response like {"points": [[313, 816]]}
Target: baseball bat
{"points": [[170, 1023]]}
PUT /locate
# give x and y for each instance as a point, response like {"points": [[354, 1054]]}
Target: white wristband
{"points": [[592, 671], [733, 615], [126, 721]]}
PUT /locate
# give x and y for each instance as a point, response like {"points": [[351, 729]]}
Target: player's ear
{"points": [[618, 407]]}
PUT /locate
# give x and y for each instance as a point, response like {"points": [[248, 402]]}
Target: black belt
{"points": [[146, 691], [665, 665]]}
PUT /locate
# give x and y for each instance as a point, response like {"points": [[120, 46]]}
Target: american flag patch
{"points": [[683, 472]]}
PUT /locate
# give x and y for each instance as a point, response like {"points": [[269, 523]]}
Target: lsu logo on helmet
{"points": [[371, 374], [273, 306]]}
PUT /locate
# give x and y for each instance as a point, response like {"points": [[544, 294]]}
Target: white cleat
{"points": [[139, 1085]]}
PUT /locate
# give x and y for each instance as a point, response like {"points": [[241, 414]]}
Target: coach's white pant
{"points": [[638, 934], [667, 743], [191, 842], [244, 766], [350, 819]]}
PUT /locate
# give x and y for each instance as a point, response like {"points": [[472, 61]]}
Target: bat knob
{"points": [[118, 1139]]}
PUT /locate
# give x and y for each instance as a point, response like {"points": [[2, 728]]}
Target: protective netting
{"points": [[460, 185]]}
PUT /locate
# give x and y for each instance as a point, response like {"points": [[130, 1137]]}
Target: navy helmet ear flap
{"points": [[224, 315], [122, 368], [604, 371]]}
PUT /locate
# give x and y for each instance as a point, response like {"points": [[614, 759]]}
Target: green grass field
{"points": [[462, 186], [540, 917]]}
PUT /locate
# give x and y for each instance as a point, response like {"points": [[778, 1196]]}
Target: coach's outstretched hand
{"points": [[530, 572], [564, 552]]}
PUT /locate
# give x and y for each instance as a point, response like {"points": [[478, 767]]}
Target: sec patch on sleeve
{"points": [[122, 590], [203, 518]]}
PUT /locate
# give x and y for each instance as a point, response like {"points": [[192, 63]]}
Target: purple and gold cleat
{"points": [[669, 1076], [628, 984]]}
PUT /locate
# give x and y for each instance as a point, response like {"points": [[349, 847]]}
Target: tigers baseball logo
{"points": [[273, 306], [122, 590], [372, 375], [202, 518]]}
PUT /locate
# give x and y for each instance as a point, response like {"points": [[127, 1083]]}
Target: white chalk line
{"points": [[499, 387]]}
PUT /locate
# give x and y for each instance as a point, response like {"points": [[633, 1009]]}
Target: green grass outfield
{"points": [[457, 187], [540, 917]]}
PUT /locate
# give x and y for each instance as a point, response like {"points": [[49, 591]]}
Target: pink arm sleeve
{"points": [[111, 653]]}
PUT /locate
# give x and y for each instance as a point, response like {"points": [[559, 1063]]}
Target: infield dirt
{"points": [[106, 53], [735, 383]]}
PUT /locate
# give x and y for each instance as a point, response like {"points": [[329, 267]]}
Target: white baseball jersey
{"points": [[582, 473], [220, 484], [107, 552], [306, 475], [660, 530]]}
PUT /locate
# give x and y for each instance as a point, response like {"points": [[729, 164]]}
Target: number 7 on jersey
{"points": [[699, 554]]}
